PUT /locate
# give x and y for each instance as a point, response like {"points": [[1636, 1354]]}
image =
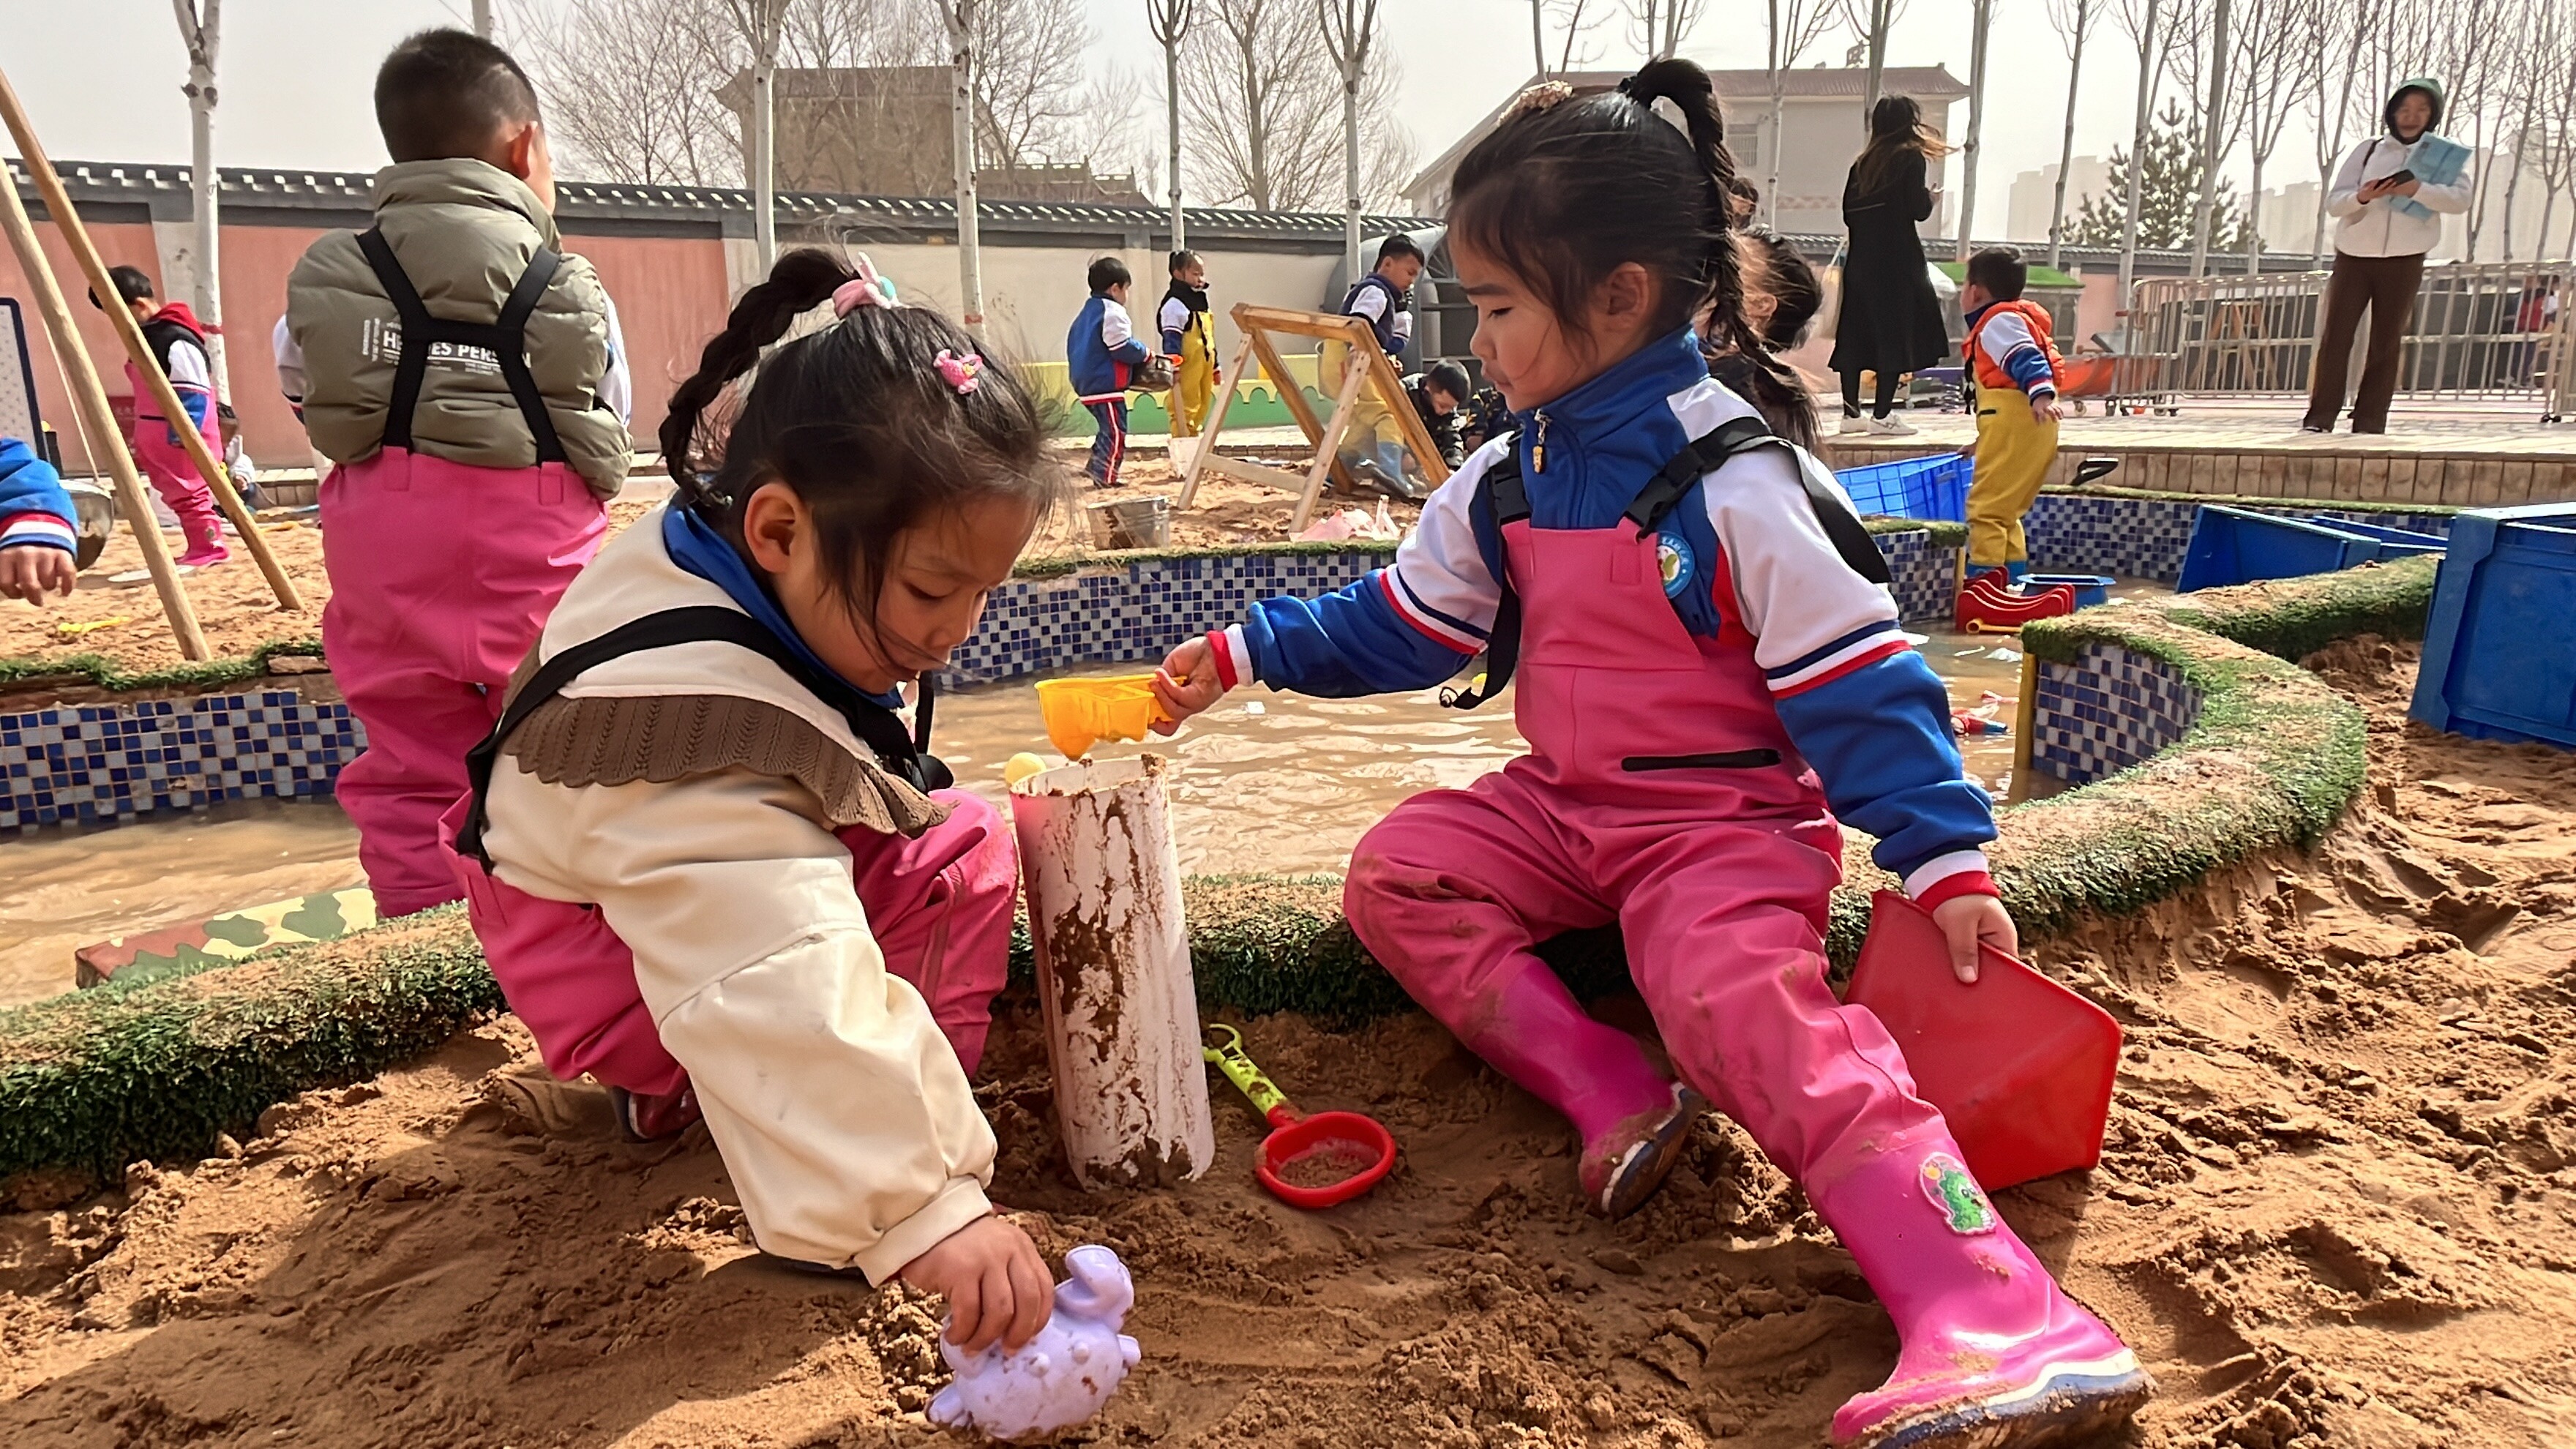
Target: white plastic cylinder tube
{"points": [[1113, 967]]}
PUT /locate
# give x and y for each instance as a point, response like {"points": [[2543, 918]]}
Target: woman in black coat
{"points": [[1890, 322]]}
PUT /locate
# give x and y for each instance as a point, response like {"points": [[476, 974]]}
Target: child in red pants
{"points": [[1710, 669], [468, 379], [709, 863], [178, 343]]}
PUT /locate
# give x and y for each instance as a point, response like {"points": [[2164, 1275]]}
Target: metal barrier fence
{"points": [[2491, 331]]}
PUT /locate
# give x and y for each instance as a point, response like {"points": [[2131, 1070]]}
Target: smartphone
{"points": [[2397, 178]]}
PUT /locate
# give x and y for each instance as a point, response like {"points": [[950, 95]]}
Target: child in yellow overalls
{"points": [[1189, 338], [2013, 370]]}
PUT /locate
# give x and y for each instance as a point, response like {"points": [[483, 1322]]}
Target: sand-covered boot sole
{"points": [[2067, 1404], [1640, 1168]]}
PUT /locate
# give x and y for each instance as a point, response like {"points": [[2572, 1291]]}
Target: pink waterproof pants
{"points": [[163, 457], [442, 575], [939, 907], [1661, 792]]}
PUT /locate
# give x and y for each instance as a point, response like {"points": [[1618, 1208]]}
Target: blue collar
{"points": [[696, 547], [1642, 382]]}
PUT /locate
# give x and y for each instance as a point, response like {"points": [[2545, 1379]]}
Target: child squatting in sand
{"points": [[1710, 672]]}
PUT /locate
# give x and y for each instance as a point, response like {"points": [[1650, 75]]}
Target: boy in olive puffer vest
{"points": [[468, 379]]}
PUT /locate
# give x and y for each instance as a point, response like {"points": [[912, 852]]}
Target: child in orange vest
{"points": [[2014, 368]]}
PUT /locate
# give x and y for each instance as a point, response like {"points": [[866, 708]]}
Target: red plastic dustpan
{"points": [[2019, 1065]]}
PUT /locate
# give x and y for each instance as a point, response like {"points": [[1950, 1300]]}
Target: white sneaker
{"points": [[1852, 424], [1890, 426]]}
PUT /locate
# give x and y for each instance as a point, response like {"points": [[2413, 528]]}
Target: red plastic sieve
{"points": [[1298, 1143]]}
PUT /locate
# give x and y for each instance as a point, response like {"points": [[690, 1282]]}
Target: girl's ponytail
{"points": [[802, 280], [1688, 89]]}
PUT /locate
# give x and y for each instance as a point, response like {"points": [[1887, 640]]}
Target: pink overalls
{"points": [[939, 907], [1662, 792], [442, 576], [163, 456]]}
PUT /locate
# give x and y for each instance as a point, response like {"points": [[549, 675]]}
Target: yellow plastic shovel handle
{"points": [[1267, 1099]]}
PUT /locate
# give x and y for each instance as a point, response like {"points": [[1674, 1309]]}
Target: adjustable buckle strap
{"points": [[1500, 490], [513, 351], [411, 366], [1698, 458], [506, 339]]}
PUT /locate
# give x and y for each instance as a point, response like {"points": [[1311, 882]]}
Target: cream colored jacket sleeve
{"points": [[842, 1113]]}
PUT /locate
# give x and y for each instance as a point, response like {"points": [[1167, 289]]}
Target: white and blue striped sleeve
{"points": [[1409, 625]]}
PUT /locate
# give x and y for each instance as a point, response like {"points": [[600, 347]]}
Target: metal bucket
{"points": [[1133, 523], [95, 508]]}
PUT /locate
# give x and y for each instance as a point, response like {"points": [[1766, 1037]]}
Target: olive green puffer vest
{"points": [[462, 231]]}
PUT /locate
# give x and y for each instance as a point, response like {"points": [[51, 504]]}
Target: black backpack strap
{"points": [[904, 754], [1500, 495], [506, 339]]}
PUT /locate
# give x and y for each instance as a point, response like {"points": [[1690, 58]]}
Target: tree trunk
{"points": [[1351, 156], [2212, 127], [483, 18], [960, 15], [1984, 17], [2254, 227], [764, 162], [1172, 94], [1772, 69], [1878, 22], [2066, 149], [2138, 158], [202, 36], [1538, 38], [1256, 121]]}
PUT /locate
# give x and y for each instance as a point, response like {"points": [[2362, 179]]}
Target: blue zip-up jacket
{"points": [[1094, 364], [1744, 548], [35, 511]]}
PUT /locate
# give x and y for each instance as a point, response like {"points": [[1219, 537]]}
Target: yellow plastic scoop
{"points": [[1081, 713]]}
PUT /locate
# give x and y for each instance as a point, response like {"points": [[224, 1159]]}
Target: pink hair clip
{"points": [[962, 373], [867, 289]]}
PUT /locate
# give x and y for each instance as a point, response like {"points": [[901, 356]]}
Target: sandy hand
{"points": [[32, 571], [997, 1286], [1187, 684], [1967, 920]]}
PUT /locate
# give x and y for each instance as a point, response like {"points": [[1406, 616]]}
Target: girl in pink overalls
{"points": [[1710, 671], [711, 866], [178, 343]]}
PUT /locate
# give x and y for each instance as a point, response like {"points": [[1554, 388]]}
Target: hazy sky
{"points": [[294, 74]]}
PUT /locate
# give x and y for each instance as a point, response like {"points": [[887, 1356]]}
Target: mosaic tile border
{"points": [[108, 763], [100, 764], [2106, 711], [2146, 537]]}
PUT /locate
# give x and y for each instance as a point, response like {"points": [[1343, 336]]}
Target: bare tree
{"points": [[2557, 127], [201, 31], [2470, 60], [629, 87], [1981, 22], [961, 20], [1658, 26], [1871, 20], [2279, 67], [1794, 26], [1170, 20], [759, 22], [2154, 44], [2072, 24], [2217, 137], [1575, 20], [1265, 95], [1350, 36]]}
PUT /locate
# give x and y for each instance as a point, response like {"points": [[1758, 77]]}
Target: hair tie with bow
{"points": [[965, 374], [867, 289]]}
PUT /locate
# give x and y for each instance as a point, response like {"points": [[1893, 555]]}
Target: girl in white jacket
{"points": [[2388, 201], [711, 866]]}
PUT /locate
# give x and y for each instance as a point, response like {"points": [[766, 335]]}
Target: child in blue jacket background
{"points": [[39, 533], [1101, 353]]}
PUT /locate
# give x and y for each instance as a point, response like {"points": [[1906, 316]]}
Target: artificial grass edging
{"points": [[102, 672], [100, 1078]]}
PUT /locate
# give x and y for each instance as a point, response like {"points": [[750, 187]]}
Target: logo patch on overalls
{"points": [[1675, 561], [1962, 1203]]}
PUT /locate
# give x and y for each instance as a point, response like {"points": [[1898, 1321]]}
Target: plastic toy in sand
{"points": [[1060, 1378], [1308, 1162], [1080, 713], [1990, 605]]}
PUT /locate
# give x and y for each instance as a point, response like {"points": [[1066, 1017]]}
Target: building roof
{"points": [[111, 191], [1816, 83]]}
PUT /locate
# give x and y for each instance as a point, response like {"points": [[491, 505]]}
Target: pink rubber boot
{"points": [[1632, 1116], [1993, 1353]]}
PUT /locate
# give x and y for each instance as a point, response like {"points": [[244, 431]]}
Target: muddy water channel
{"points": [[1268, 782]]}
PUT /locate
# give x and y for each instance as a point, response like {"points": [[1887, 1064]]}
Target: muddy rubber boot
{"points": [[1626, 1166], [1992, 1353], [205, 540], [646, 1117]]}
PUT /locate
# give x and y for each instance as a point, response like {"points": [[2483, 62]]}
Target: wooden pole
{"points": [[1215, 420], [67, 221], [98, 424]]}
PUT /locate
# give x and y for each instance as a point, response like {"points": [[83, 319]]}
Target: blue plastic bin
{"points": [[2394, 543], [1933, 488], [2497, 664], [2232, 546], [2090, 589]]}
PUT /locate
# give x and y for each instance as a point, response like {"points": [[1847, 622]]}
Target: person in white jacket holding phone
{"points": [[2388, 200]]}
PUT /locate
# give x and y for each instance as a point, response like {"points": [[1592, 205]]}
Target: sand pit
{"points": [[2338, 1209]]}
